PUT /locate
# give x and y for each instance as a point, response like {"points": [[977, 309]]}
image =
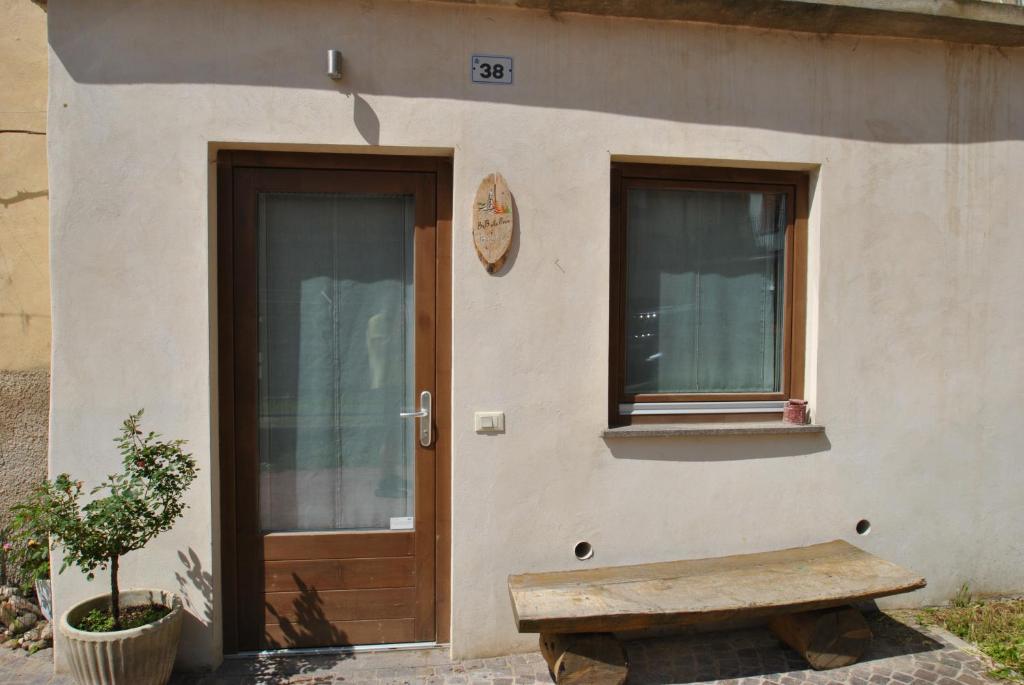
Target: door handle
{"points": [[425, 415]]}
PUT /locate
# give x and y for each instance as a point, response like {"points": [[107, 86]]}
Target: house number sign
{"points": [[493, 222], [491, 69]]}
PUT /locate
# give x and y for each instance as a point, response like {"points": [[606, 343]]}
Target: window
{"points": [[707, 292]]}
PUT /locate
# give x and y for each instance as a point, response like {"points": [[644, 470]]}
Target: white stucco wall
{"points": [[915, 362]]}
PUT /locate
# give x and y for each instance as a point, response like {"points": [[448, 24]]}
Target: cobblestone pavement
{"points": [[18, 668], [899, 654]]}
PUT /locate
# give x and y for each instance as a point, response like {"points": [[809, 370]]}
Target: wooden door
{"points": [[334, 400]]}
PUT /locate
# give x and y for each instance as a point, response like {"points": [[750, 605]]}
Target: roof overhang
{"points": [[959, 21]]}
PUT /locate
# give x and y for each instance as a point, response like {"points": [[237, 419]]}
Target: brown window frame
{"points": [[632, 175]]}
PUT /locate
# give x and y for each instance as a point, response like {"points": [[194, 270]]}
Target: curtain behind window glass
{"points": [[704, 291], [336, 360]]}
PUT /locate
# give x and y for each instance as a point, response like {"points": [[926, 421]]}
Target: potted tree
{"points": [[125, 636]]}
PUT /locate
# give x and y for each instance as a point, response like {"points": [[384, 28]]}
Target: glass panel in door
{"points": [[336, 361]]}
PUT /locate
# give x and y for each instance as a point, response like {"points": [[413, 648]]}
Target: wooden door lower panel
{"points": [[340, 605], [321, 589], [340, 545], [339, 574]]}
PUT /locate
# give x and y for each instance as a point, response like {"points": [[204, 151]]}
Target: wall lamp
{"points": [[334, 64]]}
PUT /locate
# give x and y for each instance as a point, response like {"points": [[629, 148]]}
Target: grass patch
{"points": [[996, 627]]}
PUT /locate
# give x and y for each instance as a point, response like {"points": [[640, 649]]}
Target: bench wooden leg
{"points": [[591, 658], [827, 638]]}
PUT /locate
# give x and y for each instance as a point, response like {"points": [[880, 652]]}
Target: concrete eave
{"points": [[958, 21]]}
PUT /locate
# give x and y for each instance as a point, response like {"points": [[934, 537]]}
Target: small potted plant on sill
{"points": [[127, 636]]}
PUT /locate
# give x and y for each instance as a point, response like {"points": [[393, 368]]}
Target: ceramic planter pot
{"points": [[138, 656]]}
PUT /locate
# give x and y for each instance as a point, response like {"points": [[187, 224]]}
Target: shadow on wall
{"points": [[719, 448], [882, 90], [197, 618], [365, 119]]}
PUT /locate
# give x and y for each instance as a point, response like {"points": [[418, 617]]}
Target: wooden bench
{"points": [[805, 592]]}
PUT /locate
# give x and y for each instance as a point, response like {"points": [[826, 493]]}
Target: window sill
{"points": [[672, 430]]}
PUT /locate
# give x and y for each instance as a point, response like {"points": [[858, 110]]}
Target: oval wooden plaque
{"points": [[493, 222]]}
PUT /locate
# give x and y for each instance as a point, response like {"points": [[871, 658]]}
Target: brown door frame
{"points": [[230, 161]]}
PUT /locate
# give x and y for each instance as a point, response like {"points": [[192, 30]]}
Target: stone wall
{"points": [[24, 409]]}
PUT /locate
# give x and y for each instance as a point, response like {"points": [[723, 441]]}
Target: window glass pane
{"points": [[704, 305], [335, 360]]}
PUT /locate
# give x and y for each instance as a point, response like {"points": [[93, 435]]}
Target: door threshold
{"points": [[349, 649]]}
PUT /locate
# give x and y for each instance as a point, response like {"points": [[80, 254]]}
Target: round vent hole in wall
{"points": [[863, 527], [583, 550]]}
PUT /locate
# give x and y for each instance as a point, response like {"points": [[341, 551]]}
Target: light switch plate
{"points": [[489, 422]]}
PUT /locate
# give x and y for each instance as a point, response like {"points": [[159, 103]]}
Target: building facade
{"points": [[709, 220]]}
